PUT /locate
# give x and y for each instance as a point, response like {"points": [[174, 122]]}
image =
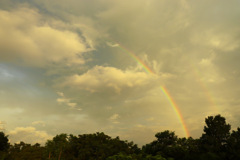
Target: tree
{"points": [[100, 146], [57, 146], [216, 134], [233, 147], [4, 145], [165, 145], [26, 151], [120, 156], [88, 146], [166, 138]]}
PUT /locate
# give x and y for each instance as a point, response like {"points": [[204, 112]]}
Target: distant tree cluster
{"points": [[216, 143]]}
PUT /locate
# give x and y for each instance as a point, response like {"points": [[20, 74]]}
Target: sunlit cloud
{"points": [[28, 135], [36, 42], [99, 78], [66, 101]]}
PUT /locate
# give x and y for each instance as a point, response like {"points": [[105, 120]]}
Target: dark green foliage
{"points": [[94, 146], [209, 156], [87, 146], [4, 145], [167, 144], [216, 134], [23, 151], [164, 140], [216, 143], [57, 147], [121, 156], [157, 157], [233, 144]]}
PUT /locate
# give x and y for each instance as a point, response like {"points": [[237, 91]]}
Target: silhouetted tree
{"points": [[121, 156], [4, 145], [233, 145], [57, 147], [216, 134], [100, 146], [23, 151], [88, 146], [165, 144]]}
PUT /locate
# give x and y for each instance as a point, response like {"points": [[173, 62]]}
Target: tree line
{"points": [[217, 142]]}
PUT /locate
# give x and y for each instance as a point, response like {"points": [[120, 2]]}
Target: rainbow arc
{"points": [[176, 109], [164, 90]]}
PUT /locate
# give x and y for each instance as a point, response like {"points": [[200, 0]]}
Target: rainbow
{"points": [[176, 109], [148, 70], [139, 61], [134, 57]]}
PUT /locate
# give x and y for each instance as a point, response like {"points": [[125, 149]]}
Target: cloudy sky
{"points": [[76, 67]]}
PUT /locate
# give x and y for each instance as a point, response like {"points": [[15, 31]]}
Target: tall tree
{"points": [[4, 145], [57, 146], [217, 132], [234, 145], [165, 144], [166, 138]]}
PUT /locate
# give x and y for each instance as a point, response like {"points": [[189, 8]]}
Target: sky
{"points": [[125, 68]]}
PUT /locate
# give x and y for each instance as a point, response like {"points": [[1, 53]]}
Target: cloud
{"points": [[66, 101], [112, 45], [114, 118], [28, 135], [29, 38], [62, 100], [99, 78]]}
